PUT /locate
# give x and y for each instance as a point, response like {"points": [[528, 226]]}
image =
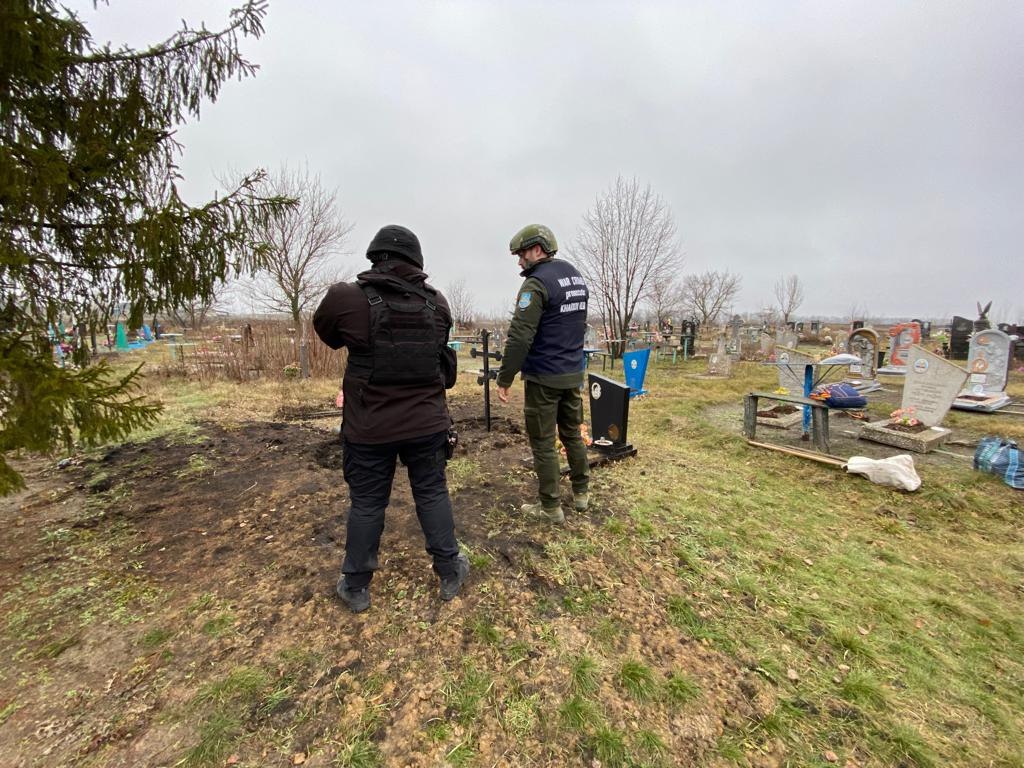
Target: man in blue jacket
{"points": [[545, 344]]}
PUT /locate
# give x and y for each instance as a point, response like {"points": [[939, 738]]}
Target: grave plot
{"points": [[931, 385]]}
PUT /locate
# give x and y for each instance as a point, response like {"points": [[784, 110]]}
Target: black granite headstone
{"points": [[960, 337], [609, 414]]}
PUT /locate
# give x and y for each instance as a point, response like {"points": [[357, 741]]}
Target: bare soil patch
{"points": [[139, 583]]}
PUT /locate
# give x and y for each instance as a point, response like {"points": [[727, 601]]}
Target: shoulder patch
{"points": [[524, 299]]}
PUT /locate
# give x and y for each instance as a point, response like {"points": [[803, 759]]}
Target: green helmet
{"points": [[534, 234]]}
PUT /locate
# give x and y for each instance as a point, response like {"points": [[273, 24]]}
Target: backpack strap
{"points": [[371, 293], [402, 285]]}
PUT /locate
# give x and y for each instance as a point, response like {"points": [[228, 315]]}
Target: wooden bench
{"points": [[819, 416]]}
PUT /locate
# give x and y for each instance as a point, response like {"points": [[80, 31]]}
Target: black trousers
{"points": [[369, 472]]}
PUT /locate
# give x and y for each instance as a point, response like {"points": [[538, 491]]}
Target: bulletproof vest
{"points": [[404, 342], [558, 344]]}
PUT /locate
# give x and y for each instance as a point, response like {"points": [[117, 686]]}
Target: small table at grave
{"points": [[591, 352], [814, 374]]}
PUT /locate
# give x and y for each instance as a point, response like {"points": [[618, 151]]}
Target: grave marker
{"points": [[931, 385], [863, 343], [488, 373], [635, 366], [902, 336], [988, 366], [609, 416], [791, 364], [720, 361], [959, 337]]}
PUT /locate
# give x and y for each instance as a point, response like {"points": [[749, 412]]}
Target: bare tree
{"points": [[303, 244], [706, 295], [625, 246], [192, 314], [789, 294], [664, 300], [460, 301], [858, 312]]}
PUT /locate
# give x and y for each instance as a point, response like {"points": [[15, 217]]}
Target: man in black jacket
{"points": [[396, 327]]}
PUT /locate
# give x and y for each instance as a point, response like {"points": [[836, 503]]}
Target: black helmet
{"points": [[398, 241]]}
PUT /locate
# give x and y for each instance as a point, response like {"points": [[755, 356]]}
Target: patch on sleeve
{"points": [[524, 299]]}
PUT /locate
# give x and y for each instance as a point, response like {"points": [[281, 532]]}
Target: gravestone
{"points": [[609, 416], [687, 336], [815, 327], [901, 337], [1016, 334], [121, 336], [786, 338], [959, 337], [931, 385], [988, 367], [863, 343], [767, 342], [720, 361], [791, 365], [839, 340], [635, 366], [733, 347]]}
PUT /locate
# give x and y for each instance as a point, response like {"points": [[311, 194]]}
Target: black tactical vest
{"points": [[404, 345]]}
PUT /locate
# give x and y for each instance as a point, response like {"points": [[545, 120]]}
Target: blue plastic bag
{"points": [[840, 395], [1001, 458]]}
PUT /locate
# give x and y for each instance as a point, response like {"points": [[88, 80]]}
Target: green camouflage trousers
{"points": [[549, 409]]}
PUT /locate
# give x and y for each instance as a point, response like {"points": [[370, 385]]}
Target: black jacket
{"points": [[376, 413]]}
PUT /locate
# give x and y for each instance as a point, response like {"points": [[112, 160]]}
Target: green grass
{"points": [[583, 675], [578, 713], [242, 684], [705, 561], [637, 680], [467, 692], [219, 625], [608, 745], [680, 689], [9, 709], [360, 752], [217, 733]]}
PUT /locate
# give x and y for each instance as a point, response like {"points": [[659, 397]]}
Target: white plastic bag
{"points": [[897, 471]]}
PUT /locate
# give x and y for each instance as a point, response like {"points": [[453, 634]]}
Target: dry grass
{"points": [[887, 627]]}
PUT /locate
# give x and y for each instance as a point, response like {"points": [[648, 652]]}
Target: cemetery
{"points": [[746, 585], [800, 543]]}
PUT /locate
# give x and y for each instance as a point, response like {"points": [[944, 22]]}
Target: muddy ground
{"points": [[172, 602]]}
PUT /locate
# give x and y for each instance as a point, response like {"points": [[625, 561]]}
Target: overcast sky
{"points": [[875, 149]]}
